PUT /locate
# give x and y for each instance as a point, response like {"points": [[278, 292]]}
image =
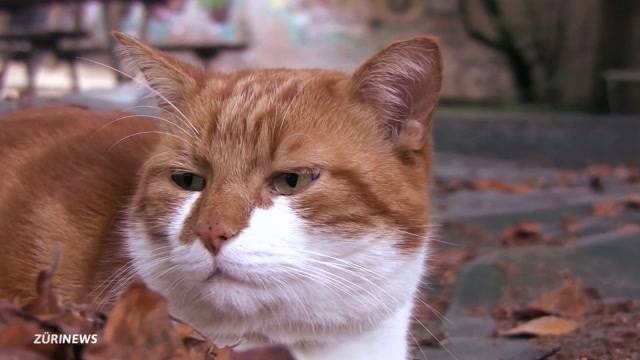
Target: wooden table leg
{"points": [[111, 17], [3, 70], [32, 67], [75, 81]]}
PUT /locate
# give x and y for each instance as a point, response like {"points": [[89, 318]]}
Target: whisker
{"points": [[147, 86], [396, 300], [146, 116], [145, 132]]}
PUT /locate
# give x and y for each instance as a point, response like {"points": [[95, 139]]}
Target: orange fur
{"points": [[64, 181], [61, 183]]}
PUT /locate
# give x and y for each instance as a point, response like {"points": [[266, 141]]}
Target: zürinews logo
{"points": [[49, 338]]}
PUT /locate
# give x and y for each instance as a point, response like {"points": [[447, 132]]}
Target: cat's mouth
{"points": [[217, 274]]}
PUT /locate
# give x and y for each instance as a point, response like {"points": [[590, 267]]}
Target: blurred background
{"points": [[579, 55], [537, 183]]}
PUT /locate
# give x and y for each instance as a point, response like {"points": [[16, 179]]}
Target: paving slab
{"points": [[606, 262]]}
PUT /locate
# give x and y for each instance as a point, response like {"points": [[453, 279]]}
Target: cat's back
{"points": [[66, 174]]}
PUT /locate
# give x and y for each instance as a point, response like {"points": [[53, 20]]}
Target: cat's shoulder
{"points": [[35, 128]]}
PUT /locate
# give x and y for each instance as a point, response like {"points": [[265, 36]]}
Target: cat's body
{"points": [[274, 206], [60, 183]]}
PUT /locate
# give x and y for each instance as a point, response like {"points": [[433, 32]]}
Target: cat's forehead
{"points": [[260, 113], [247, 94]]}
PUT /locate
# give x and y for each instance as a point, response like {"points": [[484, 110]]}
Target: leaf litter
{"points": [[139, 326], [573, 322]]}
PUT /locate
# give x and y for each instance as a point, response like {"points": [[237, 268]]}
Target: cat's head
{"points": [[304, 190]]}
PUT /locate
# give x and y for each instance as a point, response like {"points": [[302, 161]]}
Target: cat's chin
{"points": [[220, 278]]}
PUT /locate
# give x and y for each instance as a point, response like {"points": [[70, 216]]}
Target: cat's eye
{"points": [[288, 183], [189, 181]]}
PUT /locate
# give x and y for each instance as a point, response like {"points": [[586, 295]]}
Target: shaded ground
{"points": [[511, 235]]}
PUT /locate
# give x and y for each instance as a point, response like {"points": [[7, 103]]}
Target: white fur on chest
{"points": [[325, 297], [386, 341]]}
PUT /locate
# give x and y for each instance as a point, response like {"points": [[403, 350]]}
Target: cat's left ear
{"points": [[172, 79], [402, 82]]}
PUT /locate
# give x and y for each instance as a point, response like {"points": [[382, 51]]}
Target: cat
{"points": [[273, 206]]}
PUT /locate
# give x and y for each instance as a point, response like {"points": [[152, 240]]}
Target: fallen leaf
{"points": [[570, 300], [46, 301], [544, 326], [21, 336], [600, 170], [15, 354], [565, 179], [523, 232], [630, 174], [138, 327], [627, 229], [500, 186], [607, 209], [528, 313], [570, 225], [476, 311], [633, 175], [632, 201]]}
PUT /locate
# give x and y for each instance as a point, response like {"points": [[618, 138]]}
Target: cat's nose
{"points": [[214, 236]]}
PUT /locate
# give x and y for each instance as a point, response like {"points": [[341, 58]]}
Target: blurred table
{"points": [[27, 44]]}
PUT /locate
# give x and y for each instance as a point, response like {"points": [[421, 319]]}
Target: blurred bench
{"points": [[26, 44], [24, 41]]}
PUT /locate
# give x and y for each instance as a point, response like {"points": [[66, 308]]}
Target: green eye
{"points": [[288, 183], [189, 181]]}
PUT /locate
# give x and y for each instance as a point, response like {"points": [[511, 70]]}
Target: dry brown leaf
{"points": [[46, 301], [11, 353], [607, 209], [600, 170], [633, 201], [500, 186], [519, 188], [524, 232], [570, 300], [544, 326], [22, 335], [565, 179], [138, 327], [633, 175], [630, 174], [627, 229], [570, 225], [526, 313]]}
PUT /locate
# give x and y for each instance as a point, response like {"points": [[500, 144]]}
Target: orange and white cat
{"points": [[272, 206]]}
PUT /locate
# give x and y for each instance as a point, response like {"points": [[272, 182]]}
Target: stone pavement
{"points": [[584, 232]]}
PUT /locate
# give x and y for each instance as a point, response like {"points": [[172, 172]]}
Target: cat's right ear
{"points": [[402, 82], [170, 78]]}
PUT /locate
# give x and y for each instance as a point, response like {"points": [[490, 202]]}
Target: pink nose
{"points": [[214, 236]]}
